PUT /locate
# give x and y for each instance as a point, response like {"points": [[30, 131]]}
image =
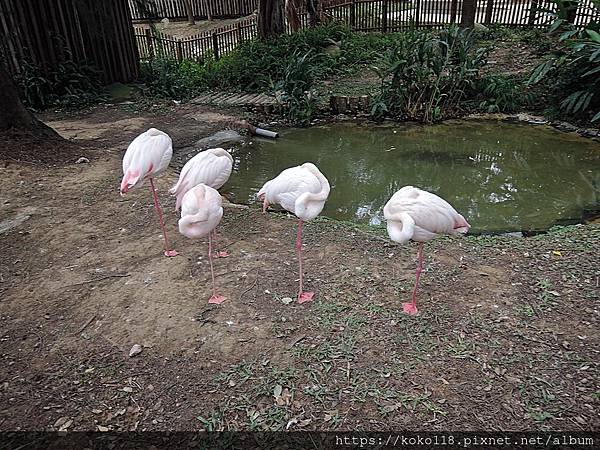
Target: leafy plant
{"points": [[68, 85], [501, 93], [573, 72], [424, 76], [296, 84]]}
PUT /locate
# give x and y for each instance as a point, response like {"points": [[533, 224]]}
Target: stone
{"points": [[219, 139], [135, 350]]}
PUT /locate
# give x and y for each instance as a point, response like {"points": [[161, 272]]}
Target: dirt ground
{"points": [[183, 29], [507, 337]]}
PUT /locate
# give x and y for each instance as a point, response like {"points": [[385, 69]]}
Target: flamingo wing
{"points": [[148, 155], [206, 168], [289, 185], [430, 213], [217, 171]]}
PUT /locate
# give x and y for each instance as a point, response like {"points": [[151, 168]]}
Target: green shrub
{"points": [[69, 85], [168, 78], [572, 73], [502, 94], [425, 76], [296, 86]]}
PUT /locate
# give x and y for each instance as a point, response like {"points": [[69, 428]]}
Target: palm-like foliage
{"points": [[574, 70], [424, 75]]}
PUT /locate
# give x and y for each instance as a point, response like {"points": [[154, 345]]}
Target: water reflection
{"points": [[502, 177]]}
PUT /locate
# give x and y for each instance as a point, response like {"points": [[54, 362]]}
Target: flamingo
{"points": [[419, 215], [201, 212], [148, 156], [301, 190], [211, 167]]}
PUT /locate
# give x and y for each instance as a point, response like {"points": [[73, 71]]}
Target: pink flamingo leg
{"points": [[411, 308], [215, 299], [303, 297], [162, 222], [219, 254]]}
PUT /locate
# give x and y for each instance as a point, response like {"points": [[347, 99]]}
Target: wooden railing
{"points": [[201, 9], [369, 16], [215, 43]]}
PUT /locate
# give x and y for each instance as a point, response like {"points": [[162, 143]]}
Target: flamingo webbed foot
{"points": [[305, 297], [222, 254], [410, 308], [171, 253], [216, 300]]}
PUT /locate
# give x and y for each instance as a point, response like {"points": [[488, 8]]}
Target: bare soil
{"points": [[183, 29], [507, 337]]}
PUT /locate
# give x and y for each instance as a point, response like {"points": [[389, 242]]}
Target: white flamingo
{"points": [[419, 215], [148, 156], [201, 212], [211, 167], [301, 190]]}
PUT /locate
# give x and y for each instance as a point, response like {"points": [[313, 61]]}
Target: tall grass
{"points": [[425, 76]]}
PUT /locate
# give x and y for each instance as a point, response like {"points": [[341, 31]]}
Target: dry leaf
{"points": [[60, 422], [284, 398], [390, 408]]}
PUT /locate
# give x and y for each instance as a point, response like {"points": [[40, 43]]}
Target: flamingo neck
{"points": [[402, 229], [312, 203]]}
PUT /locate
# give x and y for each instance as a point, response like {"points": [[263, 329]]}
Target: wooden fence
{"points": [[46, 33], [369, 16], [392, 15], [215, 43], [202, 9]]}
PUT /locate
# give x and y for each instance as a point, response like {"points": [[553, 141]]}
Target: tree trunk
{"points": [[13, 113], [469, 8], [312, 7], [189, 11], [270, 18]]}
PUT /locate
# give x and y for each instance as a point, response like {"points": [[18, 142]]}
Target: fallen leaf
{"points": [[284, 398], [286, 300], [390, 408], [101, 428], [303, 423], [127, 389], [277, 391], [59, 423], [66, 425]]}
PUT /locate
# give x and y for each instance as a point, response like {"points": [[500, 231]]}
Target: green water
{"points": [[502, 177]]}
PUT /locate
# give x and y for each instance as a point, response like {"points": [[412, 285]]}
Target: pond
{"points": [[502, 177]]}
